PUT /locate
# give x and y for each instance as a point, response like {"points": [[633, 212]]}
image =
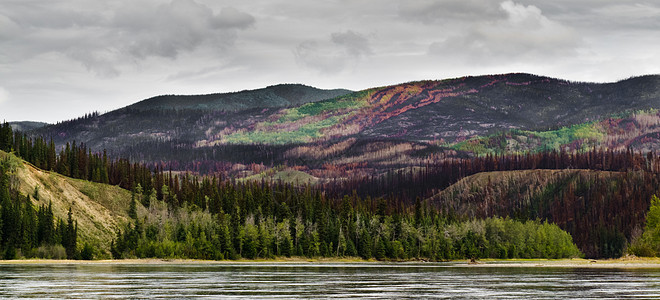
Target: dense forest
{"points": [[399, 215]]}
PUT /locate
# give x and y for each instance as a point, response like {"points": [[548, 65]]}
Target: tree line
{"points": [[313, 227]]}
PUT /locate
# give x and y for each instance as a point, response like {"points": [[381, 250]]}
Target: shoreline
{"points": [[620, 263]]}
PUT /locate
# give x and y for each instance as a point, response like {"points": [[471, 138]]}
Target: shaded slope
{"points": [[185, 119]]}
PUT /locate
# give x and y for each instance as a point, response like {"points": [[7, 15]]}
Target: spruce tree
{"points": [[70, 236]]}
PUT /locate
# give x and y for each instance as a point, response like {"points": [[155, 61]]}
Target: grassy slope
{"points": [[99, 209], [286, 176]]}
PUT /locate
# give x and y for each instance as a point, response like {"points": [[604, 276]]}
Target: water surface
{"points": [[321, 280]]}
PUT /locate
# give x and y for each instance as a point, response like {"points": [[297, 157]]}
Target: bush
{"points": [[87, 252], [50, 252]]}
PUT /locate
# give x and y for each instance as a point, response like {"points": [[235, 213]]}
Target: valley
{"points": [[379, 173]]}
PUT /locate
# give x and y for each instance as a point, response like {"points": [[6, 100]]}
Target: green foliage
{"points": [[333, 111], [87, 252], [303, 134], [316, 108], [649, 243], [189, 232], [555, 139], [516, 141]]}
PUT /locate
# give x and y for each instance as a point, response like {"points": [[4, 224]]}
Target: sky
{"points": [[60, 59]]}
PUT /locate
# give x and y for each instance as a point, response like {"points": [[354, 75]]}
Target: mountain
{"points": [[450, 110], [371, 130]]}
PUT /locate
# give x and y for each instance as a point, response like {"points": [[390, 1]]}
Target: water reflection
{"points": [[394, 281]]}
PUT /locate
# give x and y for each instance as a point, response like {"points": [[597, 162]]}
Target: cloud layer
{"points": [[69, 57], [105, 41], [523, 33], [341, 50]]}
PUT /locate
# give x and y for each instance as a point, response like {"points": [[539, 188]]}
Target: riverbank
{"points": [[625, 262]]}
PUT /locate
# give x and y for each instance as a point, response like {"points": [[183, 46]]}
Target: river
{"points": [[322, 280]]}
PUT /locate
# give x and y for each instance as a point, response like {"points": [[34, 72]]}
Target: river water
{"points": [[321, 280]]}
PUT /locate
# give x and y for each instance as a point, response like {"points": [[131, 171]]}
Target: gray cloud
{"points": [[356, 45], [104, 43], [433, 11], [4, 95], [230, 17], [524, 34], [601, 14], [342, 50]]}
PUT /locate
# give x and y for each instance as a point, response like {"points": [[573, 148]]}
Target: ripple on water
{"points": [[389, 281]]}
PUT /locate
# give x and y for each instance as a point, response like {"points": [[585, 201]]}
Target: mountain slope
{"points": [[182, 118], [410, 121], [451, 110], [99, 209]]}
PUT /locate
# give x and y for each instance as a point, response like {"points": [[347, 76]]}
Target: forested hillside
{"points": [[374, 130]]}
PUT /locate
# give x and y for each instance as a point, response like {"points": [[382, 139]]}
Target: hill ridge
{"points": [[280, 95]]}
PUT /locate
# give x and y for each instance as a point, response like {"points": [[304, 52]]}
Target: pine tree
{"points": [[70, 236]]}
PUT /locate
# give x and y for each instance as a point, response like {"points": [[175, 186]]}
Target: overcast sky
{"points": [[60, 59]]}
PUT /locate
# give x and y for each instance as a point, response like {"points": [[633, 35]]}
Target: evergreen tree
{"points": [[69, 236]]}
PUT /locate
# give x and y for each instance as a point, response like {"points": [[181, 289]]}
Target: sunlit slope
{"points": [[99, 209]]}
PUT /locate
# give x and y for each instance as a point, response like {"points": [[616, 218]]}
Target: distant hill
{"points": [[282, 95], [27, 125], [375, 129]]}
